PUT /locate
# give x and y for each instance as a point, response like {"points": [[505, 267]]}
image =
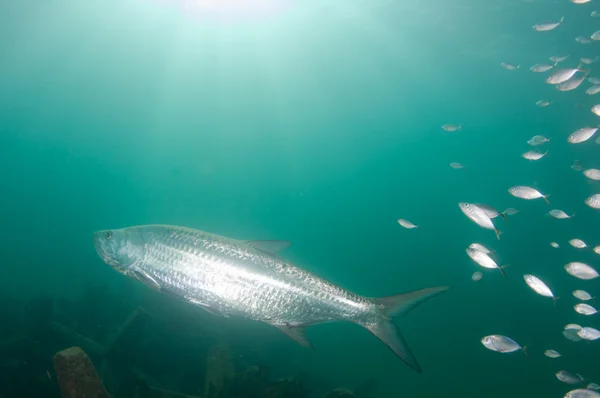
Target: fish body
{"points": [[570, 332], [582, 295], [499, 343], [541, 68], [451, 127], [578, 243], [581, 271], [569, 378], [533, 155], [589, 334], [509, 66], [456, 165], [570, 84], [595, 89], [552, 353], [407, 224], [538, 286], [585, 309], [478, 216], [582, 393], [582, 135], [231, 277], [561, 75], [544, 27], [483, 259], [592, 174], [527, 193], [557, 213]]}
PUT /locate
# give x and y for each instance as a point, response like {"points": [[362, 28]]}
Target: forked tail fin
{"points": [[394, 306]]}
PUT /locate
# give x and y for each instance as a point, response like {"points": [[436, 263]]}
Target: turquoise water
{"points": [[319, 124]]}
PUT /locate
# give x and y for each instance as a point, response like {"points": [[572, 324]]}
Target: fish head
{"points": [[120, 248], [488, 342]]}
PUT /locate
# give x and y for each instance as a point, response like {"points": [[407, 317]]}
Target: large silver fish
{"points": [[247, 278]]}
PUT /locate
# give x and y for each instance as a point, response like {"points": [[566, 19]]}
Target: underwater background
{"points": [[317, 122]]}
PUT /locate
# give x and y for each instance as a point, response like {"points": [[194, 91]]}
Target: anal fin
{"points": [[296, 333]]}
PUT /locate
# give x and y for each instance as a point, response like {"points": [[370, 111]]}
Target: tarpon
{"points": [[248, 278]]}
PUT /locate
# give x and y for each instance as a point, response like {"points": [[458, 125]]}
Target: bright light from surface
{"points": [[232, 9]]}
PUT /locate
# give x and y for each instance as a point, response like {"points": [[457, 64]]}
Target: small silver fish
{"points": [[544, 27], [538, 140], [528, 193], [593, 90], [543, 103], [478, 216], [570, 332], [582, 135], [554, 245], [577, 243], [499, 343], [561, 75], [582, 393], [484, 260], [533, 155], [582, 295], [556, 213], [596, 35], [569, 378], [538, 286], [452, 127], [588, 61], [476, 276], [456, 165], [407, 224], [552, 354], [593, 201], [580, 1], [540, 68], [592, 174], [585, 309], [583, 40], [570, 84], [595, 14], [509, 66], [597, 250], [596, 109], [558, 58], [589, 334], [510, 211], [581, 271]]}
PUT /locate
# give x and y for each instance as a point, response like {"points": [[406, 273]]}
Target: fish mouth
{"points": [[102, 250]]}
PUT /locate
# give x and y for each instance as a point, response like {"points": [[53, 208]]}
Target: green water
{"points": [[320, 125]]}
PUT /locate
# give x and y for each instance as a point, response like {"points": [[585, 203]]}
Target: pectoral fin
{"points": [[297, 333], [147, 279]]}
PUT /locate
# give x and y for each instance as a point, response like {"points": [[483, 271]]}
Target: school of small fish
{"points": [[564, 78]]}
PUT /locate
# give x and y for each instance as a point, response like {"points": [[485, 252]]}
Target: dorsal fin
{"points": [[270, 246]]}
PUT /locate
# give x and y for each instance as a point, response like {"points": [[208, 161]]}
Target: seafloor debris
{"points": [[340, 393], [168, 352], [219, 370], [76, 375]]}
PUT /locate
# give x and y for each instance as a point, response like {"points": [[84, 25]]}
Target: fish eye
{"points": [[108, 235]]}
